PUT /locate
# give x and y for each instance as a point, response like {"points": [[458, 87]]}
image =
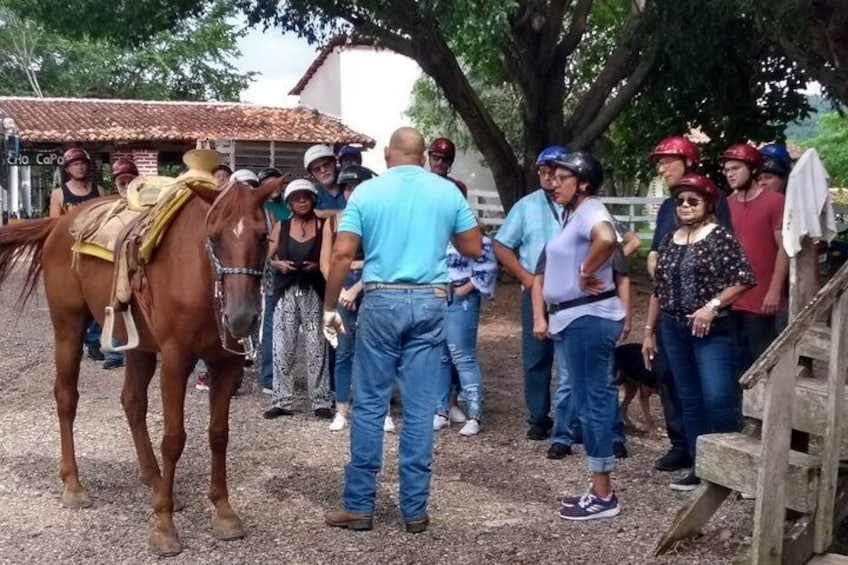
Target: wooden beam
{"points": [[797, 327], [770, 506], [803, 277], [692, 517], [834, 401]]}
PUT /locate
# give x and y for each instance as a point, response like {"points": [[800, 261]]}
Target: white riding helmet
{"points": [[300, 185], [317, 152], [245, 176]]}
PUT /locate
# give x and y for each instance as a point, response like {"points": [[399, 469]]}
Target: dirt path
{"points": [[493, 496]]}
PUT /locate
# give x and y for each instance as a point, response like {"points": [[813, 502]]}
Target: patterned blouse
{"points": [[689, 276], [482, 272]]}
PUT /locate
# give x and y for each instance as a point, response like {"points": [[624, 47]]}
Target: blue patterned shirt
{"points": [[482, 272], [531, 223]]}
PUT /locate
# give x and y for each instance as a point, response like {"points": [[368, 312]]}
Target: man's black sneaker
{"points": [[619, 450], [688, 483], [537, 433], [113, 363], [558, 451], [95, 353], [675, 460]]}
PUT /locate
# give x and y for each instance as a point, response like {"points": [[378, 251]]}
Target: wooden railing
{"points": [[638, 213]]}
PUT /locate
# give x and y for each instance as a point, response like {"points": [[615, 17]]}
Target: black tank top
{"points": [[70, 200]]}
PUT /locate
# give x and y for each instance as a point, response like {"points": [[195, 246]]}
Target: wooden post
{"points": [[833, 430], [803, 277], [692, 517], [770, 506]]}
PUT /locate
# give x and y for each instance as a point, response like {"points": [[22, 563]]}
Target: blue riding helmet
{"points": [[550, 153], [778, 152], [351, 151]]}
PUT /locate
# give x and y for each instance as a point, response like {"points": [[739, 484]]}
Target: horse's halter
{"points": [[219, 300]]}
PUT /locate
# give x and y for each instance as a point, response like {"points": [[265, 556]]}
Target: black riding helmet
{"points": [[268, 173], [585, 166], [355, 174]]}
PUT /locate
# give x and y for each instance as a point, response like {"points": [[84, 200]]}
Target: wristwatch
{"points": [[714, 305]]}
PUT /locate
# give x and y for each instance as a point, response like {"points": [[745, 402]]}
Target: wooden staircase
{"points": [[783, 393]]}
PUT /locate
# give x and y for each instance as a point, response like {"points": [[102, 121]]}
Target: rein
{"points": [[218, 298]]}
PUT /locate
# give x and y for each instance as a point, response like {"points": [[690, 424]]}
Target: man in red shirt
{"points": [[757, 216]]}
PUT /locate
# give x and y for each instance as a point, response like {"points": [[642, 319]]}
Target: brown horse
{"points": [[181, 323]]}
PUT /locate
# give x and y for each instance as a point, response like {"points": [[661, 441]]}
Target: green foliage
{"points": [[189, 62], [832, 146]]}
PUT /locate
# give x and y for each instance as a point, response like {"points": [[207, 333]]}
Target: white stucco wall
{"points": [[371, 93], [376, 86], [322, 92]]}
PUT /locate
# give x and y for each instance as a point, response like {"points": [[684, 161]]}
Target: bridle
{"points": [[218, 298]]}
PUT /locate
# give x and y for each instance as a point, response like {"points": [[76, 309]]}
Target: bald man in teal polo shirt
{"points": [[404, 220]]}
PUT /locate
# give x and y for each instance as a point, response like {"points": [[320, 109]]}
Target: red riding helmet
{"points": [[443, 146], [748, 154], [124, 166], [75, 154], [677, 146], [697, 183]]}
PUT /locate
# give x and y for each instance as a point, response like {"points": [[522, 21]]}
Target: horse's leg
{"points": [[140, 367], [68, 333], [224, 377], [176, 365]]}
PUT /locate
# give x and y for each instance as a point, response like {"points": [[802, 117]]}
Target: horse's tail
{"points": [[24, 242]]}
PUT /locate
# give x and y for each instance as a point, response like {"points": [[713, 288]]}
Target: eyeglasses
{"points": [[562, 177], [435, 157], [689, 201]]}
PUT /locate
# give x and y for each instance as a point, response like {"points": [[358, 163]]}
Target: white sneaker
{"points": [[456, 415], [339, 423], [440, 422], [389, 425], [471, 428], [266, 390]]}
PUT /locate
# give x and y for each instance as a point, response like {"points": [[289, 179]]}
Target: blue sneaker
{"points": [[589, 507]]}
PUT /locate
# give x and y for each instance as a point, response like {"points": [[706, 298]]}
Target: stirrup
{"points": [[109, 327]]}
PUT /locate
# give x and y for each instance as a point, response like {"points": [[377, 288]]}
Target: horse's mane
{"points": [[20, 243]]}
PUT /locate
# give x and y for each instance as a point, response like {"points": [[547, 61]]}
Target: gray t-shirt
{"points": [[560, 263]]}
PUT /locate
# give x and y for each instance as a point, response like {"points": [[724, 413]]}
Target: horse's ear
{"points": [[266, 190], [205, 192]]}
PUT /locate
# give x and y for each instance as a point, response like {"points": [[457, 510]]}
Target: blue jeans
{"points": [[266, 374], [460, 351], [92, 334], [344, 354], [588, 344], [114, 355], [567, 427], [672, 411], [400, 336], [703, 371], [537, 358]]}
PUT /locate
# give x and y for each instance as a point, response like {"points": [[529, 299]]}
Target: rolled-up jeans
{"points": [[703, 372], [460, 351], [588, 344], [400, 336]]}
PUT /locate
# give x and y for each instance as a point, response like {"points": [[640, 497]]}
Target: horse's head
{"points": [[237, 244]]}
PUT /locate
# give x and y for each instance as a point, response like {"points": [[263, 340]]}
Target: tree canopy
{"points": [[190, 61]]}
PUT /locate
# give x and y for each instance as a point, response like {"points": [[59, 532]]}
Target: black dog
{"points": [[631, 374]]}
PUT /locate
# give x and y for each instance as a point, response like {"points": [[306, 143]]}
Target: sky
{"points": [[281, 59]]}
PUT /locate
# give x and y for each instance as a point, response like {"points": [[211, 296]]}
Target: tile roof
{"points": [[65, 120]]}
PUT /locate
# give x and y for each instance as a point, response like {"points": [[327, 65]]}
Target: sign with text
{"points": [[32, 158]]}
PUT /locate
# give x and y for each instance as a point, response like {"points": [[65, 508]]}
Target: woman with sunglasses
{"points": [[701, 271]]}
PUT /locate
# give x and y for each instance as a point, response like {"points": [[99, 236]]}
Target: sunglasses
{"points": [[690, 201]]}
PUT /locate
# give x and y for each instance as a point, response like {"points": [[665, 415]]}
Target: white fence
{"points": [[638, 213]]}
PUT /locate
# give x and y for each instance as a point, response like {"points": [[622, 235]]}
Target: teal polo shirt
{"points": [[278, 210], [405, 218]]}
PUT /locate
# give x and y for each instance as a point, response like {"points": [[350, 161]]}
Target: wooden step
{"points": [[828, 559], [809, 408], [815, 342], [733, 461]]}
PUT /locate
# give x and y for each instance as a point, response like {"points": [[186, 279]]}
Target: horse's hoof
{"points": [[227, 528], [165, 544], [75, 499]]}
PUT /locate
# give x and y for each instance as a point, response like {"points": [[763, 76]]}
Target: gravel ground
{"points": [[493, 496]]}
